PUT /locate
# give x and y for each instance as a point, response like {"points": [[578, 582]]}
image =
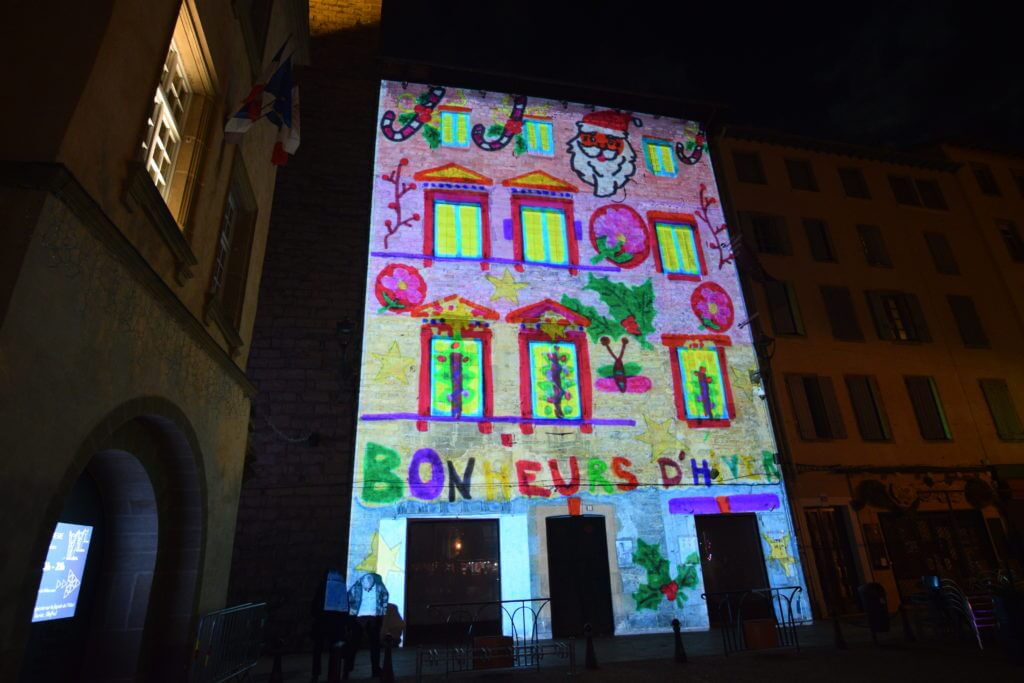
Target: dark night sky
{"points": [[897, 73]]}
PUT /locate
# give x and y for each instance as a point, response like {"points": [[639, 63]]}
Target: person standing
{"points": [[368, 602], [331, 619]]}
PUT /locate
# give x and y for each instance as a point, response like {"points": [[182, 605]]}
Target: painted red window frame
{"points": [[654, 217], [566, 205], [464, 196], [674, 342], [577, 339], [427, 333]]}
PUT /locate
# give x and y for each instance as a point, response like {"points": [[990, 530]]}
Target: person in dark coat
{"points": [[368, 603], [332, 621]]}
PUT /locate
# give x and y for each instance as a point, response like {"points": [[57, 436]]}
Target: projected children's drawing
{"points": [[536, 349], [601, 154]]}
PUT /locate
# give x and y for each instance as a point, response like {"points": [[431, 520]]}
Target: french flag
{"points": [[276, 98]]}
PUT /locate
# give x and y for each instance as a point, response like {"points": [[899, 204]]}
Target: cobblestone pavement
{"points": [[649, 659]]}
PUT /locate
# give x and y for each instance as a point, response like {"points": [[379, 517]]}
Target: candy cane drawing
{"points": [[513, 127], [426, 103]]}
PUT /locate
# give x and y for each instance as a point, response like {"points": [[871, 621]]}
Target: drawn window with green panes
{"points": [[454, 129], [677, 245], [660, 159], [458, 229], [554, 378], [539, 136], [544, 235], [704, 393], [456, 377]]}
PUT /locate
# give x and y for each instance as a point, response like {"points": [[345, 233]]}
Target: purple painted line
{"points": [[501, 261], [753, 502], [577, 228], [701, 505], [506, 226], [508, 419], [706, 505]]}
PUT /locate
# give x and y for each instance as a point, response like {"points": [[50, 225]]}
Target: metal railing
{"points": [[228, 643], [520, 649], [738, 612]]}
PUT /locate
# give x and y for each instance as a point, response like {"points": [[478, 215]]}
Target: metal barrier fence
{"points": [[228, 643], [464, 648], [759, 618]]}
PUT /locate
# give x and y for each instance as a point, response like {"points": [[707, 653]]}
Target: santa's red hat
{"points": [[608, 122]]}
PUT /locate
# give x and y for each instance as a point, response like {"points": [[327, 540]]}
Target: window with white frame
{"points": [[166, 122]]}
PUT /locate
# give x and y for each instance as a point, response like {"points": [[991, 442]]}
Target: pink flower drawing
{"points": [[712, 306], [620, 226], [400, 287]]}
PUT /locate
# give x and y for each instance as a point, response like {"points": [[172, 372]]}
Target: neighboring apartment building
{"points": [[131, 253], [886, 293]]}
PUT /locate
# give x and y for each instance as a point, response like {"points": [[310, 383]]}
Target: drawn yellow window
{"points": [[544, 235], [458, 229], [677, 244]]}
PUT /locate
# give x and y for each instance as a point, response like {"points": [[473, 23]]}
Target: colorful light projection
{"points": [[550, 323], [62, 572]]}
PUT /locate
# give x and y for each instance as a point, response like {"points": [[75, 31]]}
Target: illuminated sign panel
{"points": [[62, 572], [553, 327]]}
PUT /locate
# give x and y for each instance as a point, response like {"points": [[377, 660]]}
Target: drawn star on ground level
{"points": [[659, 437], [393, 365], [506, 287]]}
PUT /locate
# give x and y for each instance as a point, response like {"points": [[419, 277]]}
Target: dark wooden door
{"points": [[579, 577], [833, 557], [731, 560], [451, 561]]}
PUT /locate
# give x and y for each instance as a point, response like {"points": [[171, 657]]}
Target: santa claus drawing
{"points": [[600, 153]]}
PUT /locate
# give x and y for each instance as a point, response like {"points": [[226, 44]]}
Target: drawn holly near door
{"points": [[732, 561], [578, 575], [452, 571]]}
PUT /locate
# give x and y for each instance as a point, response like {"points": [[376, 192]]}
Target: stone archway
{"points": [[146, 466]]}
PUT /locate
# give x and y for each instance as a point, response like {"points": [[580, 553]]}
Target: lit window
{"points": [[545, 238], [700, 379], [456, 377], [454, 128], [164, 134], [458, 229], [678, 248], [660, 159], [554, 381], [539, 137]]}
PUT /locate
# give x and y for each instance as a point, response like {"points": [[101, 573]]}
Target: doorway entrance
{"points": [[731, 560], [833, 556], [451, 561], [581, 590]]}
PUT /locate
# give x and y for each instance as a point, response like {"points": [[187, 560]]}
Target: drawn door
{"points": [[579, 577]]}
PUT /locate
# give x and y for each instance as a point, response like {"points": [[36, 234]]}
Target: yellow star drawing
{"points": [[393, 365], [506, 287], [778, 550], [382, 558], [659, 437]]}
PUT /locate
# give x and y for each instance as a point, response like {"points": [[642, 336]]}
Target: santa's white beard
{"points": [[606, 176]]}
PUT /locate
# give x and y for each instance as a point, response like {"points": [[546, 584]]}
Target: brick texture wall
{"points": [[294, 508]]}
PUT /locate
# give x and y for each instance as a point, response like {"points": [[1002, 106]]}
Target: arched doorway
{"points": [[142, 481]]}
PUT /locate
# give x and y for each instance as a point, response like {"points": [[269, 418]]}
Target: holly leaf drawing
{"points": [[600, 326], [630, 369], [405, 118], [495, 130], [519, 145], [432, 135], [647, 596], [624, 301]]}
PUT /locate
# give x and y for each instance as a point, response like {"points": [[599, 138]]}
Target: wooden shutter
{"points": [[877, 309], [883, 418], [783, 318], [867, 407], [942, 255], [801, 409], [1004, 413], [835, 418], [841, 316], [967, 321], [916, 317], [926, 408], [818, 240]]}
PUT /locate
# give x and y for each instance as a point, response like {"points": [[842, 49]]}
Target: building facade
{"points": [[132, 247], [559, 393], [888, 302]]}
